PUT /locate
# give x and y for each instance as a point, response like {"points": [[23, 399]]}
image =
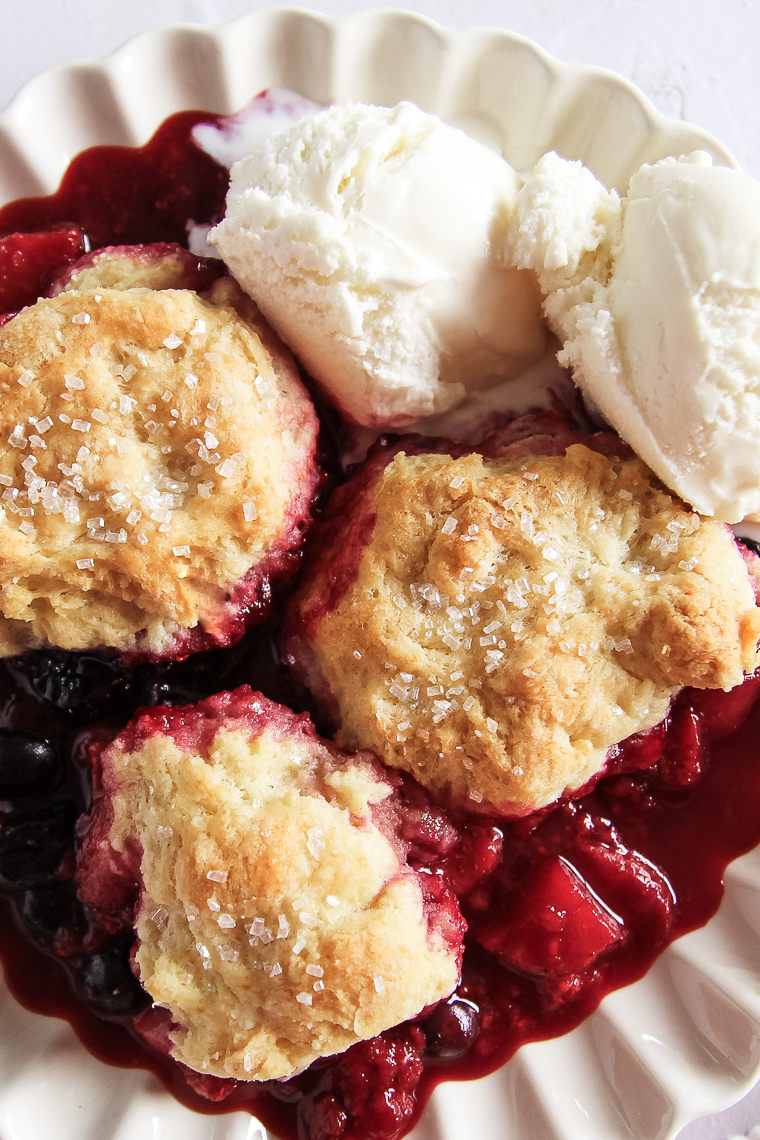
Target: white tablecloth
{"points": [[695, 59]]}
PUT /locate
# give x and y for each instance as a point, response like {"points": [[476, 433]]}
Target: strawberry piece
{"points": [[722, 713], [475, 856], [29, 262], [682, 761], [634, 886], [556, 925], [637, 752]]}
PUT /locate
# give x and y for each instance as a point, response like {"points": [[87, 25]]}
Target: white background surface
{"points": [[695, 59]]}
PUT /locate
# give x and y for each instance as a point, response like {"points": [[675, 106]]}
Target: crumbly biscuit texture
{"points": [[277, 923], [505, 623], [161, 265], [153, 450]]}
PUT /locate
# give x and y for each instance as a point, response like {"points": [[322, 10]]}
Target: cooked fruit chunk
{"points": [[556, 926]]}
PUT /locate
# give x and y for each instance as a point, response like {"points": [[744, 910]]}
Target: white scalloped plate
{"points": [[685, 1040]]}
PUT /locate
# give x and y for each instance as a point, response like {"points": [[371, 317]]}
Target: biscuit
{"points": [[157, 462], [277, 920], [161, 265], [494, 627]]}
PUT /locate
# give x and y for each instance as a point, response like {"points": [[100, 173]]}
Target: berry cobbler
{"points": [[277, 919], [308, 843]]}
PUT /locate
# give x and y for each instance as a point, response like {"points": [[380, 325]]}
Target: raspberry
{"points": [[378, 1079], [321, 1118]]}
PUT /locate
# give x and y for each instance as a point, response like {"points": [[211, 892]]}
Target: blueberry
{"points": [[28, 764], [750, 543], [451, 1029], [149, 689], [108, 984], [53, 914], [33, 843], [78, 684]]}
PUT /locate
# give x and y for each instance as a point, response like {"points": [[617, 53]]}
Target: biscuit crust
{"points": [[504, 624], [278, 920], [153, 452]]}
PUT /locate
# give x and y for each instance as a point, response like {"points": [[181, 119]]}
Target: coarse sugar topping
{"points": [[277, 893], [128, 489], [508, 622]]}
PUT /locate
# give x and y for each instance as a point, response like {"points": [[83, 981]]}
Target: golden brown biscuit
{"points": [[494, 628], [277, 920], [161, 265], [157, 465]]}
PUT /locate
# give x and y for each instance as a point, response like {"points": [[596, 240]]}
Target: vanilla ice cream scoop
{"points": [[657, 300], [372, 239]]}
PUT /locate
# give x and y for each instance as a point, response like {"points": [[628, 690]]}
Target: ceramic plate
{"points": [[684, 1041]]}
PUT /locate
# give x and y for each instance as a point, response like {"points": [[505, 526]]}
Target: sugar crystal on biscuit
{"points": [[559, 614]]}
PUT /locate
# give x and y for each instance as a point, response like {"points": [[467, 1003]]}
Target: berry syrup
{"points": [[562, 907]]}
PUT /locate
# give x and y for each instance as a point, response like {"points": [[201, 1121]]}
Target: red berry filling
{"points": [[121, 195], [562, 907]]}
